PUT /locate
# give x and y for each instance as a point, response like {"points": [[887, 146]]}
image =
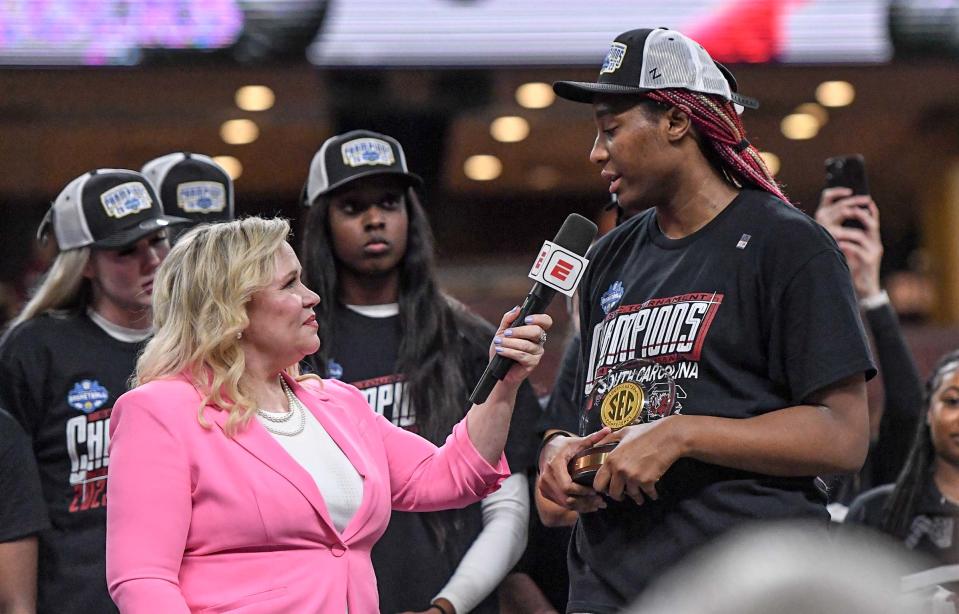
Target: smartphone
{"points": [[848, 172]]}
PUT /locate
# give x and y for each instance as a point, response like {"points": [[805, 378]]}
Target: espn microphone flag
{"points": [[558, 267]]}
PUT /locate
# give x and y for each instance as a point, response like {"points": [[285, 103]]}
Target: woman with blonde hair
{"points": [[235, 482], [68, 356]]}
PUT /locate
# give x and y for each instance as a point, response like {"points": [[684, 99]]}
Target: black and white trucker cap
{"points": [[192, 186], [645, 60], [353, 155], [106, 208]]}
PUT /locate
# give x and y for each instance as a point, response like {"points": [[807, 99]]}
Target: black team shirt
{"points": [[22, 510], [59, 377], [410, 567], [752, 313]]}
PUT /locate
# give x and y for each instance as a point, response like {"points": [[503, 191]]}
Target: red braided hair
{"points": [[718, 121]]}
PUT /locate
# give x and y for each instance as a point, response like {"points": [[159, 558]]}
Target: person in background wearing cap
{"points": [[193, 187], [415, 353], [746, 299], [68, 356]]}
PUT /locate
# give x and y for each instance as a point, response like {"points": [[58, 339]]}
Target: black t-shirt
{"points": [[364, 354], [902, 406], [933, 529], [562, 408], [410, 566], [22, 510], [752, 313], [59, 377]]}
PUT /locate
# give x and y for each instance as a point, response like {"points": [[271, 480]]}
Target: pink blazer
{"points": [[200, 522]]}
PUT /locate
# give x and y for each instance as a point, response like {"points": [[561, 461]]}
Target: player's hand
{"points": [[642, 455], [555, 483]]}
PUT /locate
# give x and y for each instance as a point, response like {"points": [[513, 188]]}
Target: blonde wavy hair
{"points": [[64, 287], [200, 294]]}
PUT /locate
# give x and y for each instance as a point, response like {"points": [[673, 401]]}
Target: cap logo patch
{"points": [[125, 199], [614, 59], [201, 197], [367, 152]]}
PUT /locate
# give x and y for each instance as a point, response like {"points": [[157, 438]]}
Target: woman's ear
{"points": [[678, 123], [88, 268]]}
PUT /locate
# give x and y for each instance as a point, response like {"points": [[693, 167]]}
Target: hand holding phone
{"points": [[850, 215], [848, 172]]}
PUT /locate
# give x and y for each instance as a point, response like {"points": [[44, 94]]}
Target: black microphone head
{"points": [[576, 234]]}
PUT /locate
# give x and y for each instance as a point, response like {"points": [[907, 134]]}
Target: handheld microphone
{"points": [[558, 267]]}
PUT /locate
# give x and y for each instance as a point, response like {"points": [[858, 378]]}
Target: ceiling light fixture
{"points": [[482, 167], [255, 98]]}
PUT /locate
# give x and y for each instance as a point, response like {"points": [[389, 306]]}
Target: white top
{"points": [[120, 333], [336, 477], [875, 301], [496, 549], [386, 310]]}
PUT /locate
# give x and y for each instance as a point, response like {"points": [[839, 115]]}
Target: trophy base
{"points": [[583, 466]]}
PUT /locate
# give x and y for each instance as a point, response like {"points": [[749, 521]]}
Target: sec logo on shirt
{"points": [[621, 405]]}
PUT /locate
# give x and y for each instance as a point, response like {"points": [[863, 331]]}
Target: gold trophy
{"points": [[633, 392]]}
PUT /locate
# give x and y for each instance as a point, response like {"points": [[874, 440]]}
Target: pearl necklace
{"points": [[295, 409]]}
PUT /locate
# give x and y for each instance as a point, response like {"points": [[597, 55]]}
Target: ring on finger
{"points": [[542, 337]]}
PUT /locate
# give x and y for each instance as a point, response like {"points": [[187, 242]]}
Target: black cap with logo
{"points": [[645, 60], [192, 186], [353, 155], [106, 208]]}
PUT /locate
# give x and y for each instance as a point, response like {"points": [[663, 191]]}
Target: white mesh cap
{"points": [[69, 224], [107, 208], [645, 60], [344, 158], [192, 186]]}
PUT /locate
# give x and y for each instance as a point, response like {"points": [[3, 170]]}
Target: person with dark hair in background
{"points": [[389, 330], [23, 515], [68, 356], [193, 187], [744, 299], [890, 428], [922, 508]]}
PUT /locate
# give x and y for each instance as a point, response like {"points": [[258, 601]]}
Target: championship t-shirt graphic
{"points": [[364, 354], [88, 442], [387, 396], [668, 331]]}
